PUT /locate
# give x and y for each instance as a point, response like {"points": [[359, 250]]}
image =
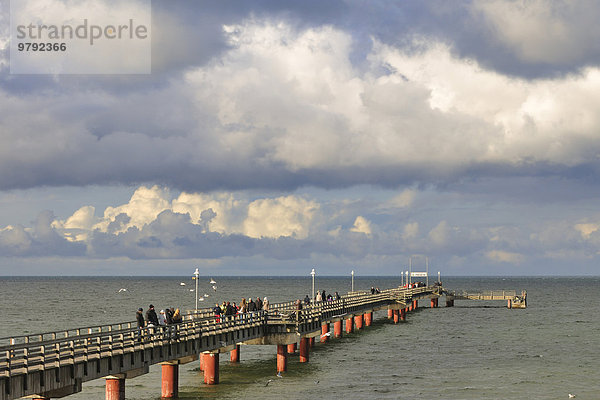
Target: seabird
{"points": [[122, 290], [279, 374], [269, 381], [215, 288], [212, 281], [571, 396], [182, 284]]}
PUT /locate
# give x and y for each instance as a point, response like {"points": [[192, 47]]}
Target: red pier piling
{"points": [[170, 381]]}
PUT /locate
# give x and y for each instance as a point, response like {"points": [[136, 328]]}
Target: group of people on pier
{"points": [[323, 296], [165, 317], [246, 306]]}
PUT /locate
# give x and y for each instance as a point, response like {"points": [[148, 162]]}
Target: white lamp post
{"points": [[312, 273], [196, 274], [352, 280]]}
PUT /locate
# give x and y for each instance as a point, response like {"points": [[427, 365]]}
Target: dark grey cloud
{"points": [[38, 241], [163, 128]]}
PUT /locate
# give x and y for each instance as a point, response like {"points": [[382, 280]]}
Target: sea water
{"points": [[474, 350]]}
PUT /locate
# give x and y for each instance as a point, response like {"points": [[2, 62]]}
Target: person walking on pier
{"points": [[298, 310], [243, 309], [151, 317], [265, 304], [319, 297], [139, 316], [217, 312], [177, 316], [168, 316], [259, 304]]}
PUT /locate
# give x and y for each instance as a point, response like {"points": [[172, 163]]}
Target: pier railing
{"points": [[54, 349]]}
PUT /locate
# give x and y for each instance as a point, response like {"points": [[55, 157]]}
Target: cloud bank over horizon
{"points": [[344, 130]]}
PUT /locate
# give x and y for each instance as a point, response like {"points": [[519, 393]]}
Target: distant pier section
{"points": [[513, 299]]}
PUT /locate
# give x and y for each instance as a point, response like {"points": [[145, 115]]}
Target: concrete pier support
{"points": [[509, 304], [115, 388], [324, 331], [390, 313], [281, 358], [291, 348], [337, 329], [170, 381], [211, 368], [358, 321], [234, 355], [396, 316], [349, 325], [368, 318], [311, 342], [304, 350], [202, 361], [403, 314], [415, 304], [432, 303], [449, 301]]}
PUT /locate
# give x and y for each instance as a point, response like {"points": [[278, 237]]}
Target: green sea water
{"points": [[475, 350]]}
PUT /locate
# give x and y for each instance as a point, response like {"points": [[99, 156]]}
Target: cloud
{"points": [[410, 230], [408, 114], [361, 225], [586, 229], [542, 31], [439, 234], [404, 199], [504, 256], [285, 216]]}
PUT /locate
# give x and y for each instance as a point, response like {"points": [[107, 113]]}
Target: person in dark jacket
{"points": [[307, 300], [251, 306], [229, 309], [139, 316], [151, 317], [259, 304], [168, 316], [337, 296], [217, 312]]}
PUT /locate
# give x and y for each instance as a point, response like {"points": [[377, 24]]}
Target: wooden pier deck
{"points": [[55, 364]]}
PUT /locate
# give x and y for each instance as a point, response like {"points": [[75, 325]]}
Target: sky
{"points": [[273, 137]]}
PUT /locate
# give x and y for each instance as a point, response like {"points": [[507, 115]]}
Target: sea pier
{"points": [[55, 364]]}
